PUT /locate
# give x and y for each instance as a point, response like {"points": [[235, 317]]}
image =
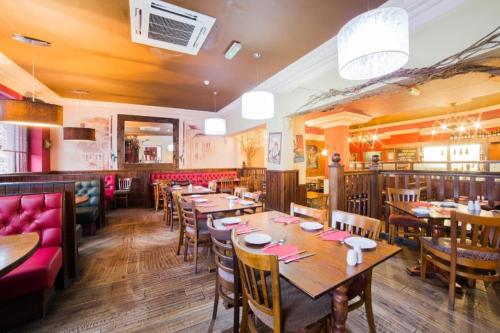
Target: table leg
{"points": [[340, 307]]}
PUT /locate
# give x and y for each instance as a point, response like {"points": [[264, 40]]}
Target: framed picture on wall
{"points": [[298, 148], [274, 148], [312, 157]]}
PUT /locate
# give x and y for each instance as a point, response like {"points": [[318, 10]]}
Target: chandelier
{"points": [[373, 44]]}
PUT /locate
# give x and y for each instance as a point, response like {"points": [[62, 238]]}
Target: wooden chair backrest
{"points": [[253, 268], [183, 182], [255, 196], [212, 185], [318, 214], [188, 213], [177, 198], [484, 234], [124, 183], [226, 184], [355, 224], [223, 249], [245, 182], [402, 195]]}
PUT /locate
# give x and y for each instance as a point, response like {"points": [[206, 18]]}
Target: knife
{"points": [[301, 257]]}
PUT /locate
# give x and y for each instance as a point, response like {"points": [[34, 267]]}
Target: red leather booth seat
{"points": [[41, 213], [109, 190], [196, 178]]}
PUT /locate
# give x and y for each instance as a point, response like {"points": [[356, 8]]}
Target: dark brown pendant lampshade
{"points": [[30, 113], [79, 134]]}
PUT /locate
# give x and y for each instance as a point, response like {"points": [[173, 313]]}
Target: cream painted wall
{"points": [[66, 155], [260, 158]]}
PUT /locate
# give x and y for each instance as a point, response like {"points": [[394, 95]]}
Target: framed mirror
{"points": [[147, 142]]}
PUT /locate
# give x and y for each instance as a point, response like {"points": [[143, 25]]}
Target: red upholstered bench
{"points": [[196, 178], [25, 291], [109, 190]]}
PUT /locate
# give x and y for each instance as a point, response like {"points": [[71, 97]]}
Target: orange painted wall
{"points": [[320, 171]]}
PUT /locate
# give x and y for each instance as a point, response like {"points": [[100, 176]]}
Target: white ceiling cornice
{"points": [[344, 118]]}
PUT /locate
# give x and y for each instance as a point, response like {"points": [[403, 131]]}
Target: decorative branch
{"points": [[250, 143], [456, 64]]}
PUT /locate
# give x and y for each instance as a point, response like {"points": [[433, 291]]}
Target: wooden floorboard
{"points": [[132, 281]]}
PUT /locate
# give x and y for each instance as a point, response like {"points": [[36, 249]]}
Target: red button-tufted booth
{"points": [[195, 178], [41, 213], [109, 189]]}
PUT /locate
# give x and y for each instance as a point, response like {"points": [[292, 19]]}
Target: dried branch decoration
{"points": [[459, 63], [250, 143]]}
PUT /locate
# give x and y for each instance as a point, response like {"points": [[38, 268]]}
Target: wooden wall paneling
{"points": [[282, 187]]}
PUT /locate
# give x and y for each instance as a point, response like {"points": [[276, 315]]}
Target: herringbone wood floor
{"points": [[132, 280]]}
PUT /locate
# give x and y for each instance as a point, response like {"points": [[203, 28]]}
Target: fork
{"points": [[274, 243]]}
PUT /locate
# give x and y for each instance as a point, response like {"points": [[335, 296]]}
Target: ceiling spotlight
{"points": [[374, 137], [444, 126], [324, 152], [360, 137], [349, 139], [30, 40], [477, 125], [206, 82], [232, 50], [413, 91], [461, 128], [433, 132]]}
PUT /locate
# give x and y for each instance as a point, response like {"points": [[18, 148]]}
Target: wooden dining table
{"points": [[184, 190], [325, 272], [80, 199], [218, 203], [16, 249]]}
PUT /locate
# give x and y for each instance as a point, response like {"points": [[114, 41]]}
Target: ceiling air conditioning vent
{"points": [[160, 24]]}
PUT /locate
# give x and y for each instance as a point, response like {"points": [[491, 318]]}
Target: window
{"points": [[465, 153], [434, 154], [13, 148]]}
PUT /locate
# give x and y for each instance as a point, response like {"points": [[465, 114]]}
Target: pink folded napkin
{"points": [[444, 211], [283, 250], [205, 204], [239, 227], [335, 235], [286, 219], [423, 204]]}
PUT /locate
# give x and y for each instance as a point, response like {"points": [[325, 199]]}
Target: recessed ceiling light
{"points": [[30, 40], [232, 50], [206, 82]]}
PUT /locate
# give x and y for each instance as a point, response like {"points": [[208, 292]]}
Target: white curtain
{"points": [[13, 148]]}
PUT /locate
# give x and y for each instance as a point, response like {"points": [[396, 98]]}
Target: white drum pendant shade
{"points": [[373, 44], [215, 126], [257, 105]]}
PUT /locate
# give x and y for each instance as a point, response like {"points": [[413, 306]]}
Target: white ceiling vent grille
{"points": [[160, 24]]}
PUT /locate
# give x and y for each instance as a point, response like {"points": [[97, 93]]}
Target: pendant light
{"points": [[31, 112], [373, 44], [215, 126], [79, 133], [256, 104]]}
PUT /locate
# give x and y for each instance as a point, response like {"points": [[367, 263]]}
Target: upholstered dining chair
{"points": [[317, 214], [195, 232], [472, 251], [124, 188], [170, 212], [224, 279], [226, 186], [360, 291], [412, 226], [273, 300]]}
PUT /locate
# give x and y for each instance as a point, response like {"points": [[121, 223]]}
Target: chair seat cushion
{"points": [[444, 245], [298, 309], [121, 192], [407, 221], [37, 273], [85, 215]]}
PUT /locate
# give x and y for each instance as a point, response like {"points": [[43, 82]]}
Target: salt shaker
{"points": [[470, 206], [359, 254], [351, 258], [190, 188]]}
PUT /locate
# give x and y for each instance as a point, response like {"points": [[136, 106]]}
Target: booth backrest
{"points": [[109, 185], [41, 213], [90, 188], [196, 178]]}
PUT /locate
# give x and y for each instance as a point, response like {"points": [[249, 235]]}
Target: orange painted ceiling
{"points": [[92, 49]]}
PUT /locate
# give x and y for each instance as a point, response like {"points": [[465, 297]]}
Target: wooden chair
{"points": [[177, 197], [273, 300], [212, 186], [225, 277], [245, 182], [253, 196], [474, 255], [159, 191], [170, 212], [124, 188], [397, 220], [239, 191], [361, 287], [195, 231], [227, 186], [317, 214]]}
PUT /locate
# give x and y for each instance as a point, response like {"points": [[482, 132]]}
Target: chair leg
{"points": [[181, 238], [126, 201], [186, 245], [451, 291], [216, 298], [195, 249], [423, 262], [368, 302], [392, 231]]}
